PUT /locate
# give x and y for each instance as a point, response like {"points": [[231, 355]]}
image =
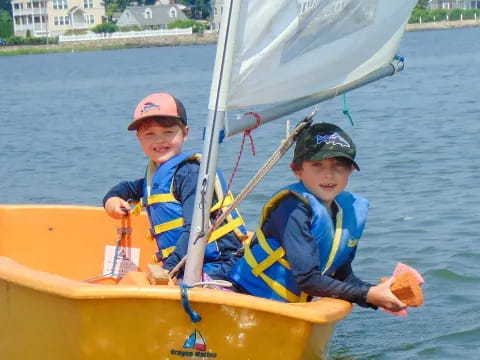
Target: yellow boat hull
{"points": [[47, 312]]}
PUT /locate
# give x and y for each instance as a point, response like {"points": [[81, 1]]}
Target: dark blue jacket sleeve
{"points": [[290, 224], [127, 190]]}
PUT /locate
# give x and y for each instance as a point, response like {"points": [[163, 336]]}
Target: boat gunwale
{"points": [[323, 311], [50, 206]]}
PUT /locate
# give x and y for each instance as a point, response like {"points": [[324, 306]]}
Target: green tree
{"points": [[112, 6], [105, 28], [5, 5], [182, 24], [422, 4], [200, 8], [5, 16], [6, 24]]}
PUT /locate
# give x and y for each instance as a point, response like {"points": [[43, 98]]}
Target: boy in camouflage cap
{"points": [[309, 230]]}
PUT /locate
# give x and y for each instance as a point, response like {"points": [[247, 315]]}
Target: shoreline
{"points": [[443, 25], [111, 44], [179, 40]]}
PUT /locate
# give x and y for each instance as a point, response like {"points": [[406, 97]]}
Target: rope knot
{"points": [[249, 131]]}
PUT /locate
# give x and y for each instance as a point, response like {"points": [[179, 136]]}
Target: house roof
{"points": [[75, 9], [160, 14]]}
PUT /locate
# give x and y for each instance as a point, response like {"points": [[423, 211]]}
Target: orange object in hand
{"points": [[407, 289]]}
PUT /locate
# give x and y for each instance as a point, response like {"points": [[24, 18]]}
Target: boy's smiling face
{"points": [[324, 178], [161, 143]]}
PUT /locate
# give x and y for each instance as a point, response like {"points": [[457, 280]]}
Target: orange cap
{"points": [[158, 105]]}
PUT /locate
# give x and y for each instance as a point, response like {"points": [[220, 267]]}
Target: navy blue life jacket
{"points": [[264, 270], [165, 212]]}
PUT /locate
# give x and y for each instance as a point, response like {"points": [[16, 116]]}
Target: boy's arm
{"points": [[293, 231], [345, 274], [185, 185], [115, 201], [378, 295]]}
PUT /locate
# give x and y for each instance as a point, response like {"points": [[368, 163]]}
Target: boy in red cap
{"points": [[309, 230], [167, 191]]}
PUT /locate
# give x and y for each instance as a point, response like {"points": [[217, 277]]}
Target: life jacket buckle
{"points": [[138, 208], [150, 234], [157, 257]]}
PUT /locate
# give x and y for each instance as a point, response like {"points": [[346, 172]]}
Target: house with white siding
{"points": [[453, 4], [55, 17], [216, 13]]}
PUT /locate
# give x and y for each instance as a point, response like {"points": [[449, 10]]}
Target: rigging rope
{"points": [[345, 109], [276, 156], [237, 163], [194, 317], [249, 131], [246, 134], [124, 231], [216, 284]]}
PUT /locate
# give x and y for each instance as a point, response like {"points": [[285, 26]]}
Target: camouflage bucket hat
{"points": [[324, 141]]}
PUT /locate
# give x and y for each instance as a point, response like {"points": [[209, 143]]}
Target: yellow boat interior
{"points": [[56, 305]]}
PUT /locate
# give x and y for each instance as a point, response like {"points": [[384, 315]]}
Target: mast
{"points": [[215, 123]]}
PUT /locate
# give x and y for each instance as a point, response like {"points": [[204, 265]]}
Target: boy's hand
{"points": [[382, 296], [117, 207]]}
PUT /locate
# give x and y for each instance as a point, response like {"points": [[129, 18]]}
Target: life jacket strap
{"points": [[225, 229], [159, 198], [163, 254], [336, 239], [262, 241], [169, 225], [269, 261], [237, 219], [152, 199], [241, 235], [223, 202], [278, 288]]}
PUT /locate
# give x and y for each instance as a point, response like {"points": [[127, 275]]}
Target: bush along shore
{"points": [[174, 40]]}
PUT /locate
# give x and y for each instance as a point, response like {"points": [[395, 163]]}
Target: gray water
{"points": [[63, 139]]}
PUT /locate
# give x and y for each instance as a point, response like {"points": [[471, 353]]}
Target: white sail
{"points": [[284, 52], [288, 49]]}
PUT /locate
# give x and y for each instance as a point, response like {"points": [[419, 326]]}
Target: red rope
{"points": [[249, 131], [235, 168], [245, 134], [126, 235]]}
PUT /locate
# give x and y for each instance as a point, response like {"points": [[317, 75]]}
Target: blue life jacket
{"points": [[166, 213], [264, 270]]}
